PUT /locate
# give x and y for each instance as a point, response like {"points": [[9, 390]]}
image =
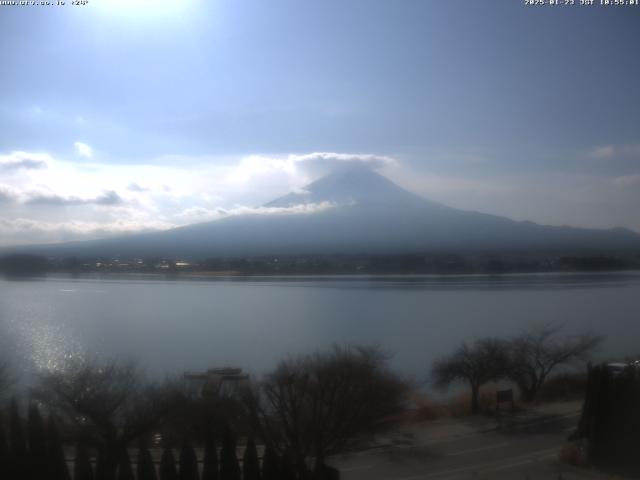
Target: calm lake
{"points": [[176, 325]]}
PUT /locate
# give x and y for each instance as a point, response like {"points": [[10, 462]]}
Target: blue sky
{"points": [[122, 116]]}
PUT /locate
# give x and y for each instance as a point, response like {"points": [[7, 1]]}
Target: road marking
{"points": [[480, 449], [488, 465]]}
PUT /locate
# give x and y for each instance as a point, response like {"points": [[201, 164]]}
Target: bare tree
{"points": [[536, 353], [482, 362], [109, 401], [322, 404]]}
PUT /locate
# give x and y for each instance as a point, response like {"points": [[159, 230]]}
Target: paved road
{"points": [[523, 448]]}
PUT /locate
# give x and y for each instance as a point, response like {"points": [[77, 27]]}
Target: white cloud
{"points": [[7, 194], [83, 149], [603, 152], [283, 174], [332, 159], [166, 192], [608, 152], [305, 208], [28, 230], [23, 160], [107, 198], [315, 164], [202, 213], [25, 230], [134, 187], [628, 181], [199, 213]]}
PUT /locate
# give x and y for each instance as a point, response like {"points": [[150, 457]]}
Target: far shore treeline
{"points": [[425, 263]]}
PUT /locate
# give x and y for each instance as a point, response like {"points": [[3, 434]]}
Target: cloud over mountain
{"points": [[298, 169], [325, 162]]}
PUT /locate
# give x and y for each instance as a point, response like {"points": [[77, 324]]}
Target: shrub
{"points": [[566, 386]]}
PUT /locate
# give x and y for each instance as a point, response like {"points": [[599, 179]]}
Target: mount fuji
{"points": [[354, 210]]}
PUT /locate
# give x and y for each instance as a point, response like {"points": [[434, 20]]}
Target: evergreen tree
{"points": [[287, 469], [18, 455], [125, 472], [250, 462], [210, 466], [146, 469], [4, 452], [82, 469], [270, 468], [229, 468], [168, 466], [188, 463], [55, 452], [36, 434], [611, 419], [104, 467]]}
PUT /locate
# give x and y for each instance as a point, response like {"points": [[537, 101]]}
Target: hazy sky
{"points": [[125, 115]]}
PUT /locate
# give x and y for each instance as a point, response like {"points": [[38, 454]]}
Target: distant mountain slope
{"points": [[363, 212]]}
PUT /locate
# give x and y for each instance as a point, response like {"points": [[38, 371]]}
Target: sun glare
{"points": [[142, 9]]}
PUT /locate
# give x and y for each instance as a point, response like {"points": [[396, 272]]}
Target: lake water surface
{"points": [[176, 325]]}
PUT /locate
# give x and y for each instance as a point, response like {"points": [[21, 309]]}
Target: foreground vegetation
{"points": [[288, 422], [526, 360], [308, 408], [609, 429]]}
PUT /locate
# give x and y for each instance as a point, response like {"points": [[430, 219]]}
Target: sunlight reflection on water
{"points": [[38, 340], [252, 322]]}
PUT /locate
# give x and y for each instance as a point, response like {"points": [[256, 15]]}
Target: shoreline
{"points": [[238, 275]]}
